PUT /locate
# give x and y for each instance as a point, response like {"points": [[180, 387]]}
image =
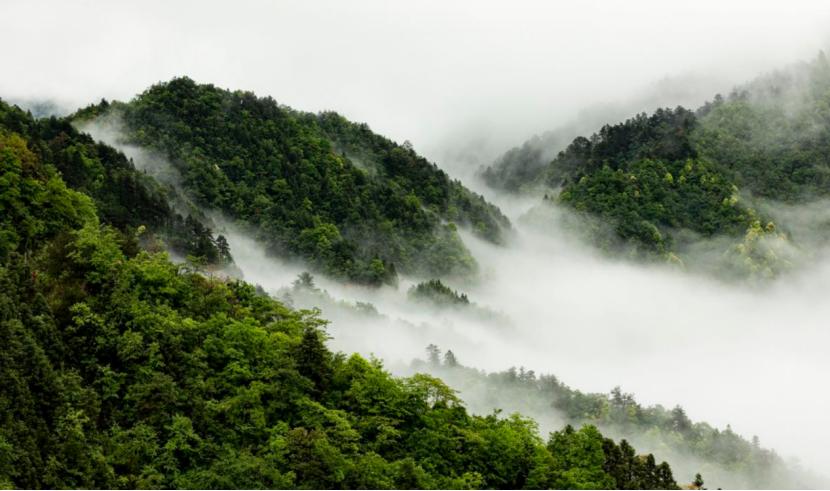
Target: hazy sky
{"points": [[477, 77], [446, 75]]}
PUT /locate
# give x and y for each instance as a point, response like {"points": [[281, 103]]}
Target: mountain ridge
{"points": [[293, 176]]}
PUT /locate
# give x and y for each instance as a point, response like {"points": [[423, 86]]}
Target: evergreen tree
{"points": [[224, 249], [313, 359], [433, 355]]}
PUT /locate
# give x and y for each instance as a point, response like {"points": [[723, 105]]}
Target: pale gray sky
{"points": [[478, 76], [441, 74]]}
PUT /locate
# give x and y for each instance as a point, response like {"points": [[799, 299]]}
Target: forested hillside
{"points": [[726, 459], [125, 198], [121, 369], [124, 369], [666, 180], [354, 205], [771, 136]]}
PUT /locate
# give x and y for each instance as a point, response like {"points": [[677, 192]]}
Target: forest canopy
{"points": [[667, 180], [121, 369], [352, 204]]}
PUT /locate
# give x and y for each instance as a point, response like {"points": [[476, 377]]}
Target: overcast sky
{"points": [[445, 75], [478, 76]]}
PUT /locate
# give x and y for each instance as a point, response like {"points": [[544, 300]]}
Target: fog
{"points": [[749, 356], [464, 82], [754, 358], [477, 76]]}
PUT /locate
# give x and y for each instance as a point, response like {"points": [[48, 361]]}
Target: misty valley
{"points": [[201, 287]]}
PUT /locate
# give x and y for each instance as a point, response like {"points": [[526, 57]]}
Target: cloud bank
{"points": [[482, 75]]}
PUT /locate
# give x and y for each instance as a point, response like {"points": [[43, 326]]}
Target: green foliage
{"points": [[125, 198], [35, 204], [663, 136], [665, 181], [124, 370], [649, 199], [763, 252], [645, 178], [353, 204], [523, 167], [771, 136], [727, 459], [438, 293]]}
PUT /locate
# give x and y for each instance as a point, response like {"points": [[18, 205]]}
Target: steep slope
{"points": [[127, 199], [353, 204], [772, 136], [726, 459], [120, 369], [646, 180], [520, 168], [645, 177], [665, 182]]}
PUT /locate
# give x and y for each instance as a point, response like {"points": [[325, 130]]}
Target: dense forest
{"points": [[724, 457], [125, 199], [125, 368], [436, 292], [667, 180], [352, 204], [121, 369]]}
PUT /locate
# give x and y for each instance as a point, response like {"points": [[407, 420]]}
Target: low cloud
{"points": [[752, 357]]}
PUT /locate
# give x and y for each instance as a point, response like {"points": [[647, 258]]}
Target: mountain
{"points": [[520, 168], [771, 136], [354, 205], [127, 199], [726, 459], [121, 369], [667, 181]]}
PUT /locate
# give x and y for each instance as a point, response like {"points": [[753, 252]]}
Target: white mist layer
{"points": [[755, 359]]}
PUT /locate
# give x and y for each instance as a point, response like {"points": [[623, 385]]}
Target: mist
{"points": [[750, 357], [464, 82], [471, 75]]}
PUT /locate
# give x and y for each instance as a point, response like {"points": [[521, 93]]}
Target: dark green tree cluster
{"points": [[603, 464], [120, 369], [438, 293], [663, 136], [126, 198], [400, 163], [645, 177], [353, 204], [655, 178], [649, 200]]}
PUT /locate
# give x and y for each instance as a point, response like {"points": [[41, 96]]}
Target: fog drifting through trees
{"points": [[728, 354], [750, 356]]}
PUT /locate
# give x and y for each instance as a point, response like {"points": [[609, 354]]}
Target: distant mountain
{"points": [[353, 204], [521, 167], [666, 181], [41, 108]]}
